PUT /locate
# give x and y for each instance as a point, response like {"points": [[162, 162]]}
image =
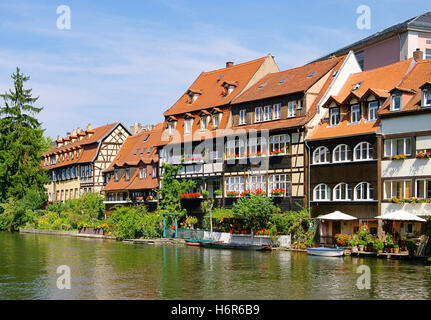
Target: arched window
{"points": [[341, 153], [364, 191], [342, 191], [363, 151], [322, 193], [321, 155]]}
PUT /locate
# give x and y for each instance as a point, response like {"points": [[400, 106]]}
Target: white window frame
{"points": [[426, 185], [334, 117], [204, 123], [426, 98], [188, 124], [373, 105], [234, 183], [142, 173], [339, 189], [392, 144], [365, 151], [255, 182], [342, 151], [257, 144], [355, 113], [369, 191], [291, 109], [237, 147], [258, 114], [279, 181], [242, 116], [427, 54], [277, 111], [392, 194], [216, 120], [319, 190], [171, 128], [267, 113], [393, 101], [320, 152], [280, 142]]}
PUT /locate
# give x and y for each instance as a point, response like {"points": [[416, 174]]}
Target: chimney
{"points": [[59, 141], [89, 131], [418, 55], [136, 128], [229, 64]]}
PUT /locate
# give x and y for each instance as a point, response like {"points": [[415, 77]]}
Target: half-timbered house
{"points": [[76, 162]]}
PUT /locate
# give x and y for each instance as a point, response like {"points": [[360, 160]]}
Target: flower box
{"points": [[191, 195], [423, 155], [231, 194], [280, 192], [400, 156]]}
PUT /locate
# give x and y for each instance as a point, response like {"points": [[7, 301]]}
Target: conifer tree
{"points": [[21, 142]]}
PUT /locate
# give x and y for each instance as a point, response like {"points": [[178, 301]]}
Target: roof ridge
{"points": [[234, 66]]}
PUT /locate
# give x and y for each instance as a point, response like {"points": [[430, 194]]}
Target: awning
{"points": [[401, 215], [337, 215]]}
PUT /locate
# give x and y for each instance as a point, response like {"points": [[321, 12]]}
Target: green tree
{"points": [[256, 209], [21, 142], [172, 189]]}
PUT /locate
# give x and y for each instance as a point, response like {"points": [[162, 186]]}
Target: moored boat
{"points": [[198, 243], [326, 252]]}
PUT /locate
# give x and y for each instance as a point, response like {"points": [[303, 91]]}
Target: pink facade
{"points": [[382, 53]]}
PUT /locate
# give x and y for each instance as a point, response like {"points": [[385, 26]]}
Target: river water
{"points": [[105, 269]]}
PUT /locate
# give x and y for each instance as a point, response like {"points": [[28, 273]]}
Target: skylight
{"points": [[143, 150], [146, 137], [219, 78], [149, 150], [136, 152], [262, 85], [311, 74], [282, 80]]}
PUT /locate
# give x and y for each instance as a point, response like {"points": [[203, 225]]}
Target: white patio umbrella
{"points": [[401, 215], [337, 215]]}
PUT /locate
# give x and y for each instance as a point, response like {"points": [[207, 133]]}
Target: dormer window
{"points": [[188, 122], [355, 113], [204, 123], [372, 110], [396, 102], [426, 97], [216, 120], [227, 89], [334, 116], [171, 127], [192, 96]]}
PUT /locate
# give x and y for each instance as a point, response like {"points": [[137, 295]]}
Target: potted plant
{"points": [[411, 247], [354, 241], [217, 193], [378, 245], [362, 245], [396, 248], [205, 194], [389, 243]]}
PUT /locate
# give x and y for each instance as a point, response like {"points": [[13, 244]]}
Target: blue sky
{"points": [[129, 61]]}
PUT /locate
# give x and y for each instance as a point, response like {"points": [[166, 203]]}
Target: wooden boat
{"points": [[198, 243], [222, 245], [326, 252]]}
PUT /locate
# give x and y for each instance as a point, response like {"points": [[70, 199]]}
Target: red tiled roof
{"points": [[287, 82], [127, 156], [87, 147], [419, 75], [209, 84], [134, 183], [382, 79]]}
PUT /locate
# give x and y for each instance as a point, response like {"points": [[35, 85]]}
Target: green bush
{"points": [[378, 244], [411, 247], [134, 222], [15, 213], [256, 209]]}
